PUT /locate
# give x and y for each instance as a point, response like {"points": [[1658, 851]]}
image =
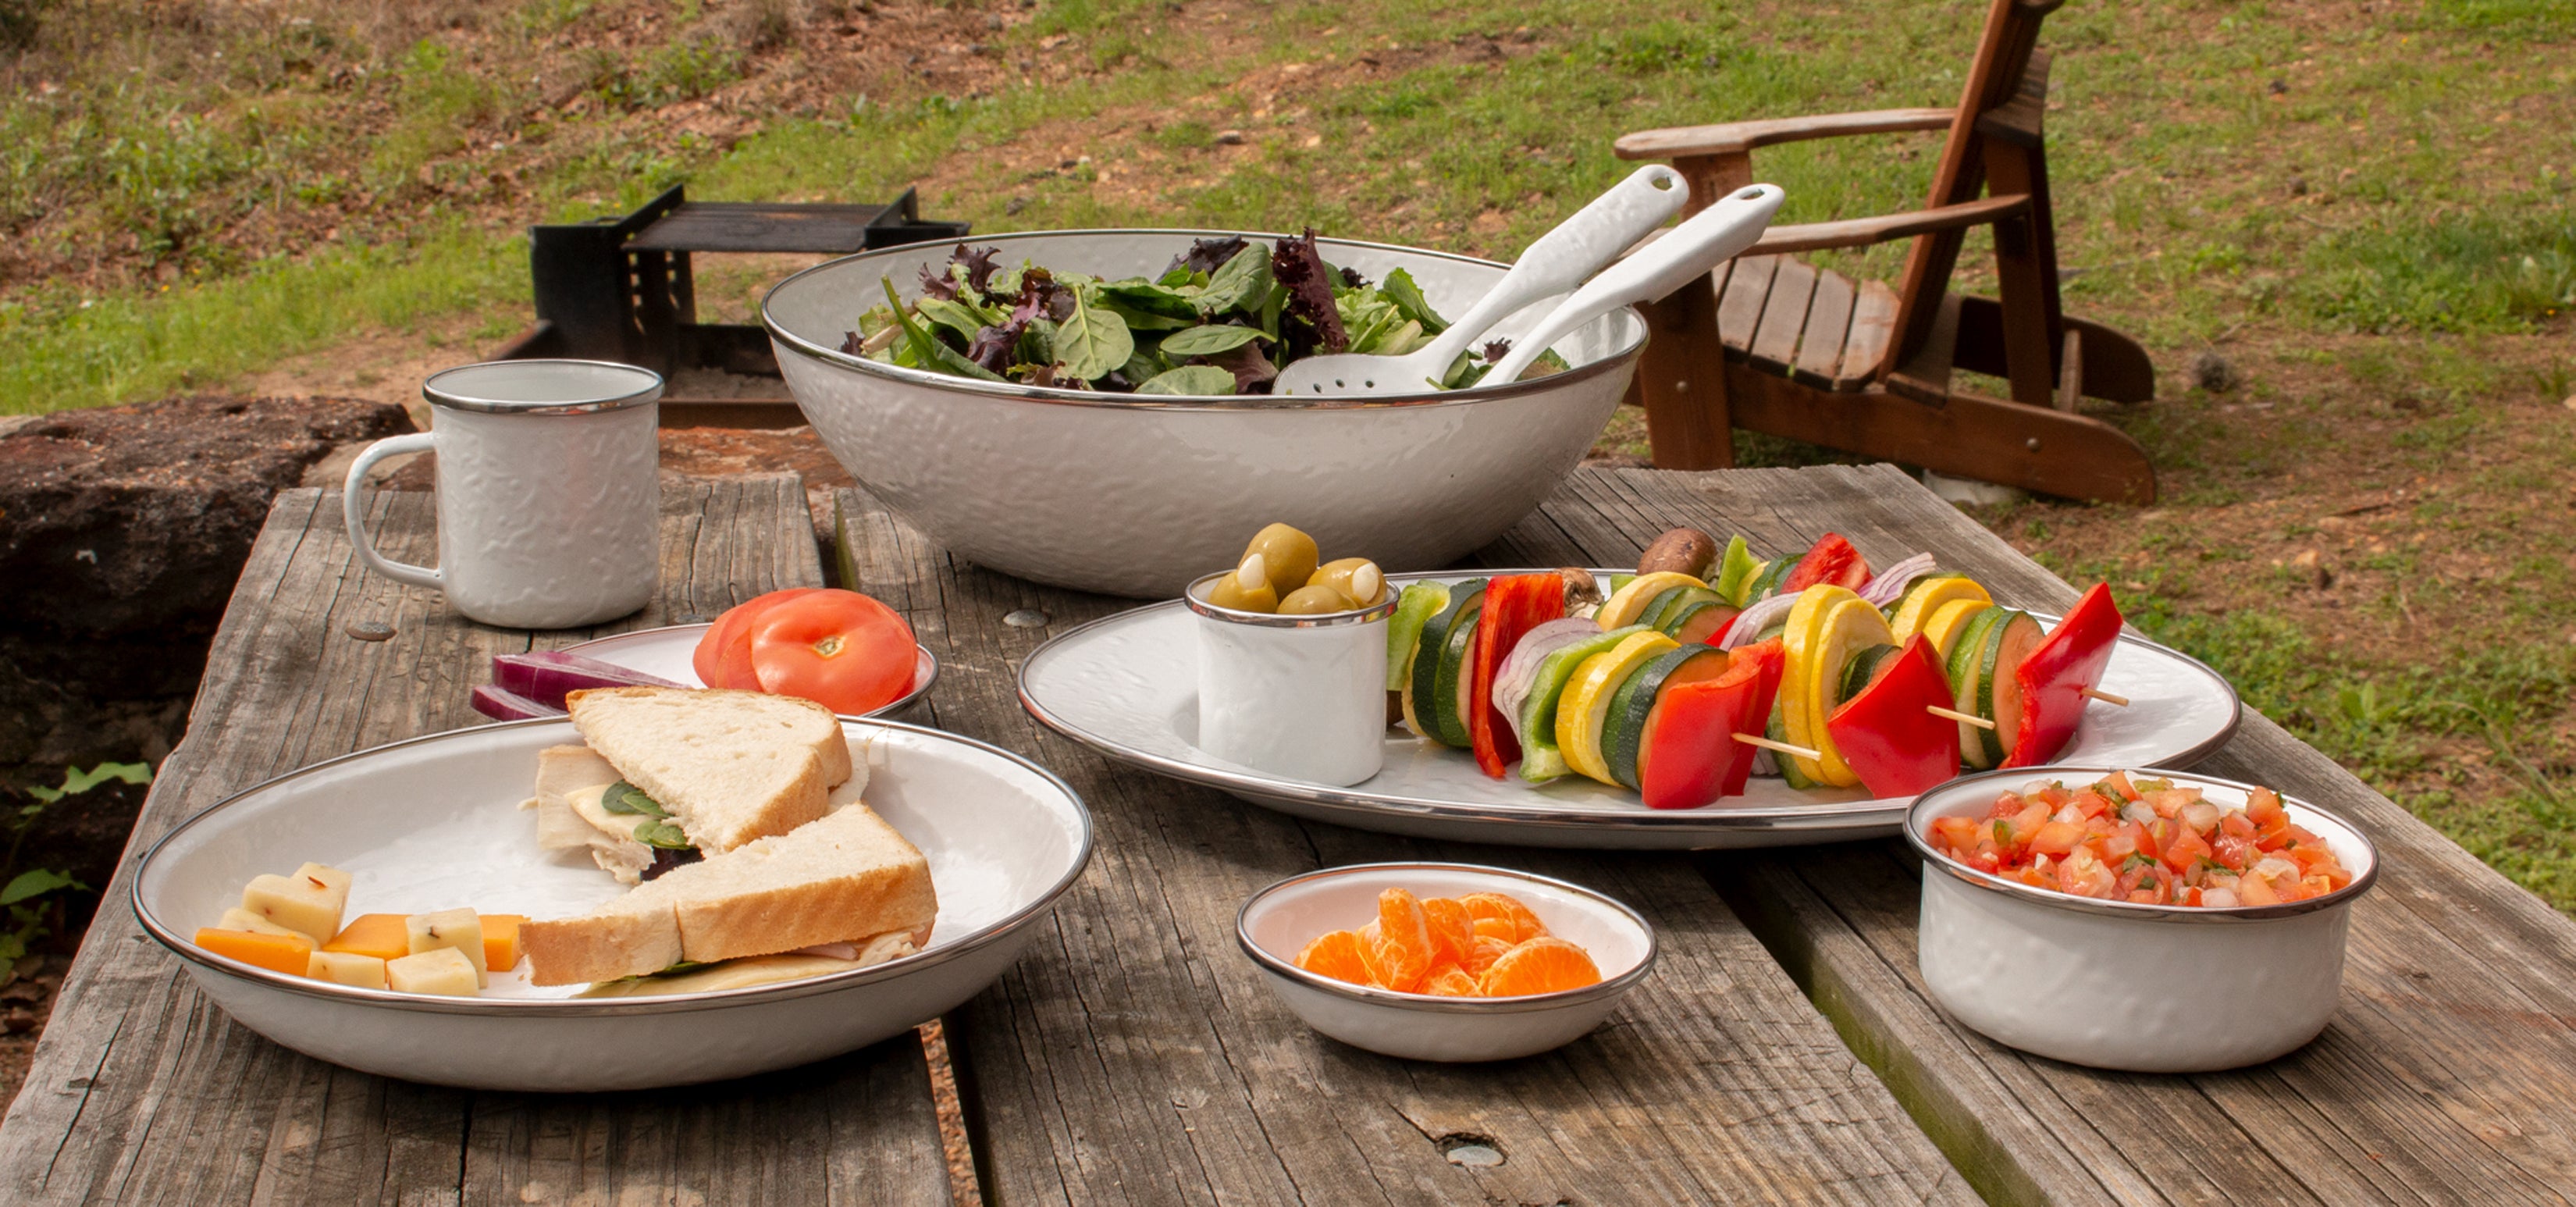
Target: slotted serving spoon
{"points": [[1687, 252], [1560, 260]]}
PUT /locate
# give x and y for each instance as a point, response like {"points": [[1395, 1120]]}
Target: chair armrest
{"points": [[1736, 138], [1861, 232]]}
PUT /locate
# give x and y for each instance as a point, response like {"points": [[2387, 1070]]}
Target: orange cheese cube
{"points": [[501, 941], [290, 953], [384, 936]]}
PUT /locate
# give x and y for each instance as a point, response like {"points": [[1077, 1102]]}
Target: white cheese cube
{"points": [[238, 918], [347, 968], [308, 902], [444, 971], [455, 929]]}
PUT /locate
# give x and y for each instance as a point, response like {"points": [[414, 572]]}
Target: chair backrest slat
{"points": [[1995, 78]]}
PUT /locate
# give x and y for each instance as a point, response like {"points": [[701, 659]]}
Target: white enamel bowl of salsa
{"points": [[1136, 496], [2119, 985], [1278, 922]]}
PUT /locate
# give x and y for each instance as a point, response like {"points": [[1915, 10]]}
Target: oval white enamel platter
{"points": [[435, 823], [665, 652], [1127, 686]]}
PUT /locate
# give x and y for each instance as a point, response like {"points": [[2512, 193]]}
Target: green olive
{"points": [[1315, 599], [1287, 554], [1231, 591], [1357, 578]]}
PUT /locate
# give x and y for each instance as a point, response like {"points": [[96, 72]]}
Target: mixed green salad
{"points": [[1224, 318]]}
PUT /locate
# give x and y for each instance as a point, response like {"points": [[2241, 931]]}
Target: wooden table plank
{"points": [[1134, 1054], [2448, 1073], [142, 1091]]}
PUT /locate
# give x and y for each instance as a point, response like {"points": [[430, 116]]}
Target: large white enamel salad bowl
{"points": [[1129, 496]]}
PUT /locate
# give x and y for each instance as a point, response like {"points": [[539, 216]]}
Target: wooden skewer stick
{"points": [[2106, 697], [1781, 747], [1960, 717]]}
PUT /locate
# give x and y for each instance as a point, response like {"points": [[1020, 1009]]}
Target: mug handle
{"points": [[353, 508]]}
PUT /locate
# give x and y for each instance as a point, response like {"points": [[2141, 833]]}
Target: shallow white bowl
{"points": [[2116, 985], [1280, 920], [434, 823], [1131, 496]]}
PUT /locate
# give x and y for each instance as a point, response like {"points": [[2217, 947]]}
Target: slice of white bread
{"points": [[848, 876], [731, 766]]}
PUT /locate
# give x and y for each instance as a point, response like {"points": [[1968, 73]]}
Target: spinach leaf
{"points": [[1400, 289], [1092, 343], [661, 834], [928, 352], [952, 315], [623, 797], [1140, 319], [1142, 295], [1191, 379], [1241, 283], [1208, 341]]}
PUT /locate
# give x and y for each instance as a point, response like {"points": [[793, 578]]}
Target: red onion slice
{"points": [[1519, 671], [547, 676], [503, 705], [1889, 587]]}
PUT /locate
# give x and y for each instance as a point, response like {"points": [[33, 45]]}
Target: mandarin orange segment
{"points": [[1525, 925], [1541, 965], [1336, 955], [1453, 929], [1449, 980], [1404, 950], [1482, 954], [1500, 930]]}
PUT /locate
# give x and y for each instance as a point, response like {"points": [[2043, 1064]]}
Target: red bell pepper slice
{"points": [[1831, 560], [1689, 756], [1886, 734], [2055, 675], [1514, 604]]}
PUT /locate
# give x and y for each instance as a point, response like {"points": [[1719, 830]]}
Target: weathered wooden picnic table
{"points": [[1783, 1049]]}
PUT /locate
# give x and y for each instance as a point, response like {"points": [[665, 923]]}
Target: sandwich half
{"points": [[726, 766], [847, 878]]}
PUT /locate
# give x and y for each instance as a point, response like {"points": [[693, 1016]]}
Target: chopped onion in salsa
{"points": [[2145, 841]]}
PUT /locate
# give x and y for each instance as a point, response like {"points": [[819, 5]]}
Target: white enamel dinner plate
{"points": [[666, 652], [1127, 685], [435, 823]]}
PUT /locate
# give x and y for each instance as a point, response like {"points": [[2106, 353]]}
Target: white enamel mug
{"points": [[549, 493], [1297, 696]]}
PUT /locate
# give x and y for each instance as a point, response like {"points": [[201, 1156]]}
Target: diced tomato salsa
{"points": [[2148, 842]]}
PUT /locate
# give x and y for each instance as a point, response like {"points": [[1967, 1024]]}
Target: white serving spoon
{"points": [[1557, 262], [1684, 254]]}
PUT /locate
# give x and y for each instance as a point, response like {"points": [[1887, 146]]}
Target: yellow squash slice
{"points": [[1621, 609], [1925, 602], [1947, 622], [1826, 627], [1584, 709]]}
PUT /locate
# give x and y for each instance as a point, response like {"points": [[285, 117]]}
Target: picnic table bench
{"points": [[1784, 1049]]}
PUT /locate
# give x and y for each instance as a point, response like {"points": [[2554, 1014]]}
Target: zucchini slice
{"points": [[2008, 642]]}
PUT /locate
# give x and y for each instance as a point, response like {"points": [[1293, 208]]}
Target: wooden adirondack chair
{"points": [[1776, 345]]}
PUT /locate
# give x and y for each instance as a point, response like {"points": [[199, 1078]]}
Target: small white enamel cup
{"points": [[2117, 985], [1301, 697], [549, 494]]}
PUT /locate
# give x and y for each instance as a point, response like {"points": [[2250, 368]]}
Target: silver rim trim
{"points": [[1888, 813], [597, 1007], [499, 406], [1609, 987], [1617, 359], [1918, 817]]}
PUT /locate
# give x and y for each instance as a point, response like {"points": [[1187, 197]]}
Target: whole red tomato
{"points": [[723, 656], [840, 649]]}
